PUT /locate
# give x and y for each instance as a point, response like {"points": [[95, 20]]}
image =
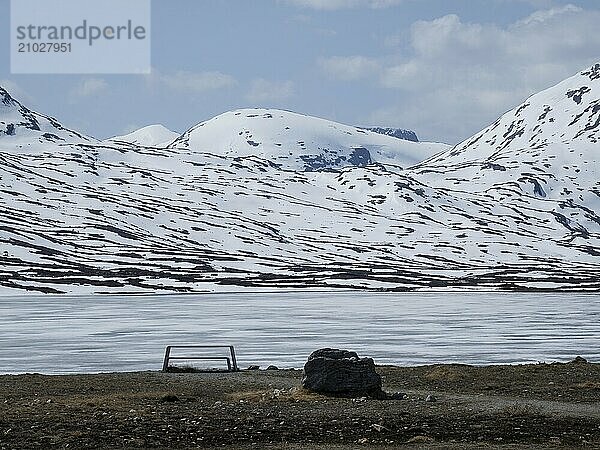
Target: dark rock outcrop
{"points": [[360, 157], [398, 133], [341, 373]]}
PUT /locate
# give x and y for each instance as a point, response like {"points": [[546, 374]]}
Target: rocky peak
{"points": [[399, 133]]}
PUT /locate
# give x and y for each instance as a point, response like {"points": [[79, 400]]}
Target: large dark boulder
{"points": [[341, 373]]}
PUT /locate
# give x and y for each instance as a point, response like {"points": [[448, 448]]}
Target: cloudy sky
{"points": [[443, 68]]}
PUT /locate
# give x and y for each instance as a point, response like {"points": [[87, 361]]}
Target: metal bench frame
{"points": [[231, 360]]}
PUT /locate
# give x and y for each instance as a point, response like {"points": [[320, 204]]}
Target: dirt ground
{"points": [[444, 406]]}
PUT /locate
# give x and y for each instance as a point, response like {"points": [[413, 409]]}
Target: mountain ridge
{"points": [[18, 121], [399, 133], [498, 211]]}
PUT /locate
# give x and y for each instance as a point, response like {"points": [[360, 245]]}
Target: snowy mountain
{"points": [[299, 142], [223, 206], [149, 136], [534, 174], [540, 162]]}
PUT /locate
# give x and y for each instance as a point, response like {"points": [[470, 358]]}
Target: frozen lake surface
{"points": [[51, 334]]}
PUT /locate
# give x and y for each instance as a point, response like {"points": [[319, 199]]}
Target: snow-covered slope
{"points": [[149, 136], [511, 208], [539, 163], [299, 142], [25, 129]]}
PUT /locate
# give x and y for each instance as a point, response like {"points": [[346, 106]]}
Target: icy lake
{"points": [[50, 334]]}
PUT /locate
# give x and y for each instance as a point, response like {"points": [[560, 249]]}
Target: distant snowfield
{"points": [[150, 136], [269, 199]]}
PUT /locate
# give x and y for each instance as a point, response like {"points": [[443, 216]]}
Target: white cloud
{"points": [[446, 114], [190, 82], [88, 87], [262, 90], [533, 3], [343, 4], [545, 15], [461, 76], [194, 82], [349, 67]]}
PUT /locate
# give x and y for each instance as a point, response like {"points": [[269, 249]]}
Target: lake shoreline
{"points": [[319, 289], [521, 406]]}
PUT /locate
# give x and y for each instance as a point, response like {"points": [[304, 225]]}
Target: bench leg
{"points": [[166, 361]]}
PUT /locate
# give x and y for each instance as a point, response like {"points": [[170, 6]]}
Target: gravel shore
{"points": [[443, 406]]}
